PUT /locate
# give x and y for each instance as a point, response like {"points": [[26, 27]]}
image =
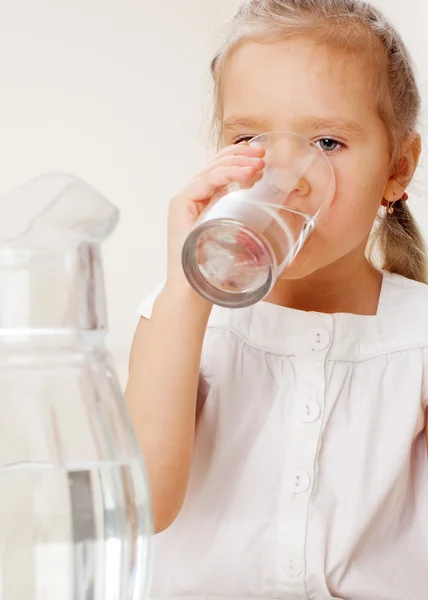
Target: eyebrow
{"points": [[238, 123], [314, 124], [344, 125]]}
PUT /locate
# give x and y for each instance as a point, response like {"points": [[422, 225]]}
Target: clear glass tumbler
{"points": [[248, 235]]}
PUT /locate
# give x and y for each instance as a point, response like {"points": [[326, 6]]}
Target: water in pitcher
{"points": [[88, 516]]}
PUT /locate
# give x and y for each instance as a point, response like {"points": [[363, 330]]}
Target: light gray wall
{"points": [[118, 92]]}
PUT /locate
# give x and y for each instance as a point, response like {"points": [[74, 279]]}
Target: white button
{"points": [[309, 411], [293, 565], [319, 339], [300, 481]]}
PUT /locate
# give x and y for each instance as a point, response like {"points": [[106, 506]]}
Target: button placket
{"points": [[301, 452]]}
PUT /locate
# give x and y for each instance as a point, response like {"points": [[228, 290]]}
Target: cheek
{"points": [[352, 213], [357, 199], [348, 222]]}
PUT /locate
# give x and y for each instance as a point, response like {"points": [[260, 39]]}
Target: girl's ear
{"points": [[405, 169]]}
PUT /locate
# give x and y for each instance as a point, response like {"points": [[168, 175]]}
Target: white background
{"points": [[118, 93]]}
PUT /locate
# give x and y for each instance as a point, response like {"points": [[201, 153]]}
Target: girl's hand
{"points": [[240, 163]]}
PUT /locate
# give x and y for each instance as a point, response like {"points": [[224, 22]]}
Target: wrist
{"points": [[179, 292]]}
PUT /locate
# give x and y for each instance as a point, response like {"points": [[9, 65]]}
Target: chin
{"points": [[300, 268], [296, 274]]}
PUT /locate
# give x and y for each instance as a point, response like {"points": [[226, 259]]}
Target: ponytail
{"points": [[400, 244]]}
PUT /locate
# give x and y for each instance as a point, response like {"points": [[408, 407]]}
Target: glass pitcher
{"points": [[75, 516]]}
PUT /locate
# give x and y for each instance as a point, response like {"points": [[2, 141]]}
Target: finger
{"points": [[237, 161], [251, 181], [205, 186], [243, 149]]}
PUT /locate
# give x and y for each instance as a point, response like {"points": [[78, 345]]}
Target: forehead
{"points": [[289, 79]]}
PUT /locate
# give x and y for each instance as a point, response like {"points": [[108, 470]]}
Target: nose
{"points": [[287, 182], [302, 187], [299, 197]]}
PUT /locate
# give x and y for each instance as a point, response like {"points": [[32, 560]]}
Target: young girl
{"points": [[285, 443]]}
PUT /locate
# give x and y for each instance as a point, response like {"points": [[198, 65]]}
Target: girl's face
{"points": [[329, 98]]}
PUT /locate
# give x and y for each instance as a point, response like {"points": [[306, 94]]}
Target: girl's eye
{"points": [[329, 145], [243, 138]]}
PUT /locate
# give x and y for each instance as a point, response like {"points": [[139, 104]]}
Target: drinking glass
{"points": [[249, 234]]}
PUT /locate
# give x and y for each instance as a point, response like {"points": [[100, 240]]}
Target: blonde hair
{"points": [[354, 26]]}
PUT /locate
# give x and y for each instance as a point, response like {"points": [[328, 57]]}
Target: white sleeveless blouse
{"points": [[310, 473]]}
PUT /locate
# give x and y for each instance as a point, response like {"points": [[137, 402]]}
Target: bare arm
{"points": [[166, 353], [427, 437], [161, 395]]}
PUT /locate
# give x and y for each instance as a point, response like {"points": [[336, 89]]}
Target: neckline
{"points": [[381, 306], [285, 331]]}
